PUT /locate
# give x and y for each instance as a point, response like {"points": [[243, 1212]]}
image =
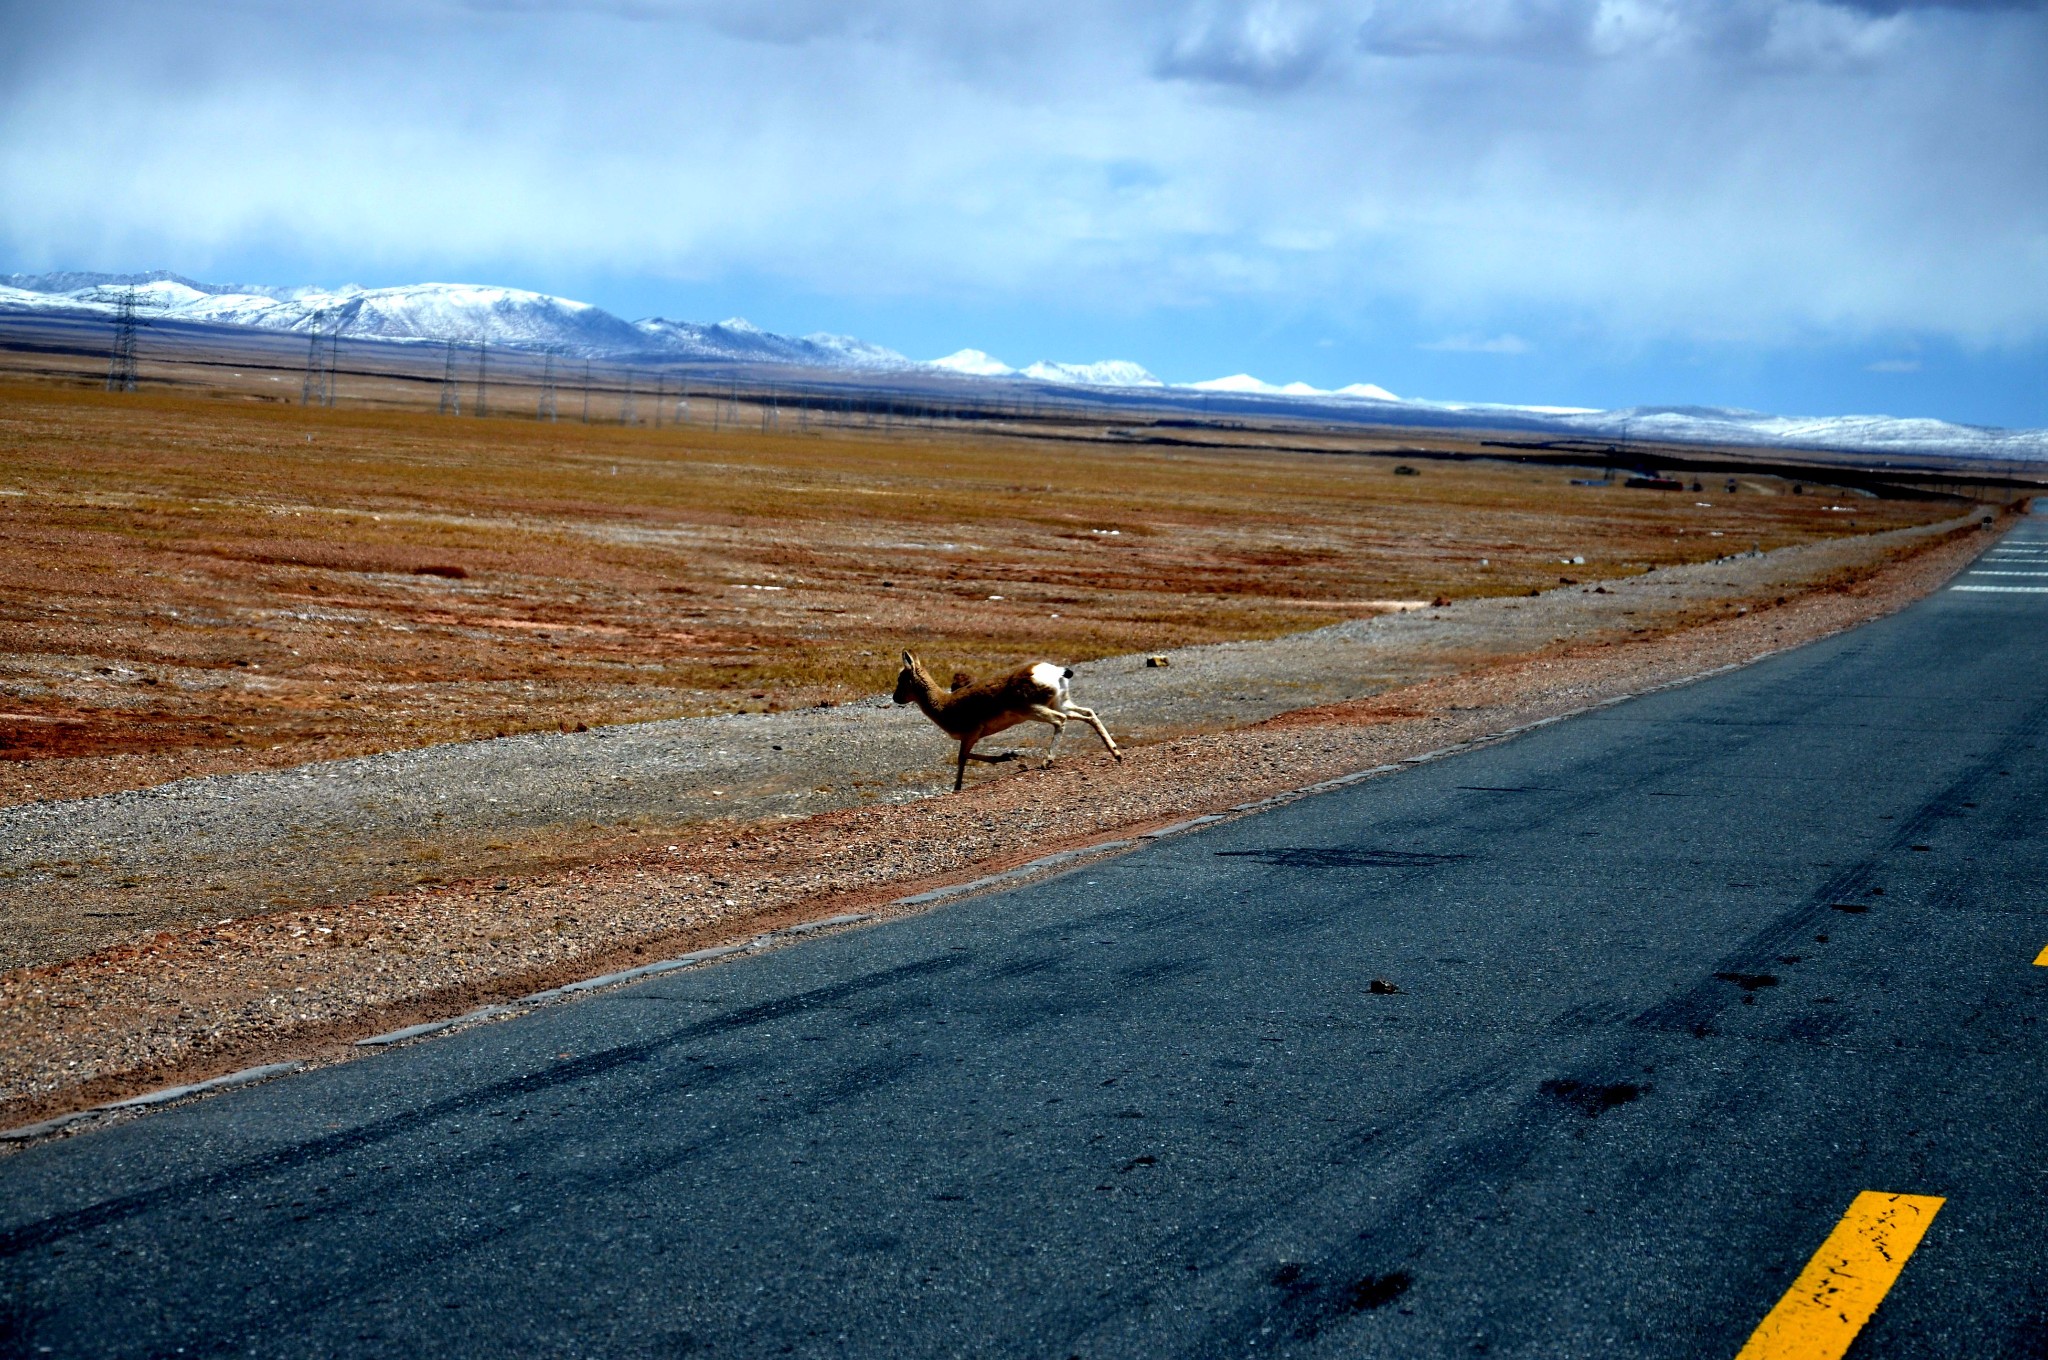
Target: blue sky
{"points": [[1805, 207]]}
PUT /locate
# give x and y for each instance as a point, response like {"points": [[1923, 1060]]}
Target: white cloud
{"points": [[1479, 344], [1733, 168], [1893, 366]]}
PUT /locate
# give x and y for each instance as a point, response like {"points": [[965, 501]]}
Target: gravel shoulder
{"points": [[178, 932]]}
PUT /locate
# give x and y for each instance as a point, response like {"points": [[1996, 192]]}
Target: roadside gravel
{"points": [[281, 914]]}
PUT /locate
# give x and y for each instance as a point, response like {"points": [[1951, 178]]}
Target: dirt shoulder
{"points": [[765, 846]]}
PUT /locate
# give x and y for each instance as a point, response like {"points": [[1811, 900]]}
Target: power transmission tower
{"points": [[546, 409], [627, 414], [451, 386], [586, 391], [483, 363], [318, 387], [121, 372], [660, 386]]}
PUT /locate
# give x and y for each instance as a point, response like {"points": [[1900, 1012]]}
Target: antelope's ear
{"points": [[909, 660]]}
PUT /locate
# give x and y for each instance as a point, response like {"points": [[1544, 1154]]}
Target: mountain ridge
{"points": [[433, 313]]}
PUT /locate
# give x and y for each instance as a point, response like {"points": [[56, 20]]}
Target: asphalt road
{"points": [[1678, 980]]}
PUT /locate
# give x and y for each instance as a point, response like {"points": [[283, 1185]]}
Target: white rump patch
{"points": [[1052, 677]]}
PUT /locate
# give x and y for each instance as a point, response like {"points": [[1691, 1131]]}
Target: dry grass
{"points": [[190, 583]]}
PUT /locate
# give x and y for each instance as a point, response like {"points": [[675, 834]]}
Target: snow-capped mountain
{"points": [[463, 312], [66, 281], [1102, 373], [513, 317], [1908, 437], [441, 311], [1246, 384], [1868, 434], [415, 312], [737, 340], [974, 364]]}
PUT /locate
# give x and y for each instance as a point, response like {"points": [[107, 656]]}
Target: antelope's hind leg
{"points": [[1054, 719]]}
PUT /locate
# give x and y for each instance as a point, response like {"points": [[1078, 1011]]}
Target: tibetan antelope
{"points": [[971, 710]]}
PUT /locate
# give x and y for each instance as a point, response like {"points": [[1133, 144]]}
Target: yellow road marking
{"points": [[1846, 1279], [2041, 959]]}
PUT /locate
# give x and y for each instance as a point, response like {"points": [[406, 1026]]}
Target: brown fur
{"points": [[973, 709], [982, 707]]}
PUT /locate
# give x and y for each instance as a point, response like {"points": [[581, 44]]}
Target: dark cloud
{"points": [[1898, 6], [1263, 45]]}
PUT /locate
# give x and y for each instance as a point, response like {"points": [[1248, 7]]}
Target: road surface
{"points": [[1678, 981]]}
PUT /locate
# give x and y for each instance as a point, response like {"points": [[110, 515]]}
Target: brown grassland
{"points": [[194, 583]]}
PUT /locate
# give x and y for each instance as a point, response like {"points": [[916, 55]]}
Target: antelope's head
{"points": [[911, 679]]}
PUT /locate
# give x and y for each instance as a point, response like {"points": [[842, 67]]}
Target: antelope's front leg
{"points": [[966, 748], [1087, 715]]}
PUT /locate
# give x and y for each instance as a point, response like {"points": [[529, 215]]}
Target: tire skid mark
{"points": [[569, 1072], [1695, 1009]]}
